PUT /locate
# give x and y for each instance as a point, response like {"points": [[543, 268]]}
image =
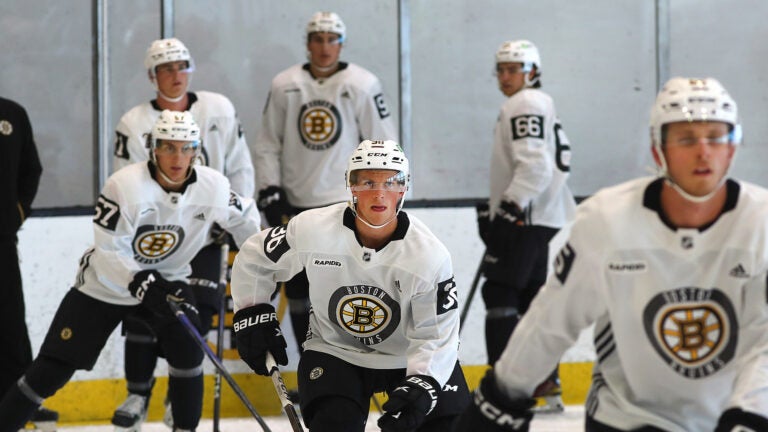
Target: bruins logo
{"points": [[693, 330], [6, 128], [66, 333], [315, 373], [154, 243], [319, 125], [365, 312]]}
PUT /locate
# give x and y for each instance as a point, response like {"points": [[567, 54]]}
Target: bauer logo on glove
{"points": [[255, 320]]}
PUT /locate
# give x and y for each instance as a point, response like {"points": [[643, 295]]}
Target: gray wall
{"points": [[599, 63]]}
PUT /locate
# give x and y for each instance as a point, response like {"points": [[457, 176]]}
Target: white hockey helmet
{"points": [[175, 126], [166, 51], [329, 22], [378, 155], [693, 99], [519, 51]]}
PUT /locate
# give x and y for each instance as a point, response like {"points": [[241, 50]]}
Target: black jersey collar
{"points": [[192, 177], [191, 99], [402, 226], [342, 66], [652, 201]]}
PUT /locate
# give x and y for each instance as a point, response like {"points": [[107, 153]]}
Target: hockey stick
{"points": [[182, 317], [471, 295], [282, 393], [220, 332]]}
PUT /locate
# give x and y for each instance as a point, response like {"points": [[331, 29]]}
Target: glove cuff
{"points": [[499, 408], [426, 384], [510, 211], [254, 315], [736, 419]]}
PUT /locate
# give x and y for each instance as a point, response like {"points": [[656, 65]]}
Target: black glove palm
{"points": [[409, 403], [483, 221], [492, 411], [256, 332], [276, 208]]}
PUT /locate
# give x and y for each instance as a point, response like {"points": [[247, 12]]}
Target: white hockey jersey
{"points": [[222, 137], [396, 307], [139, 226], [311, 126], [531, 159], [681, 321]]}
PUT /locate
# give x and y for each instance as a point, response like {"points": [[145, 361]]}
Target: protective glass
{"points": [[396, 183], [169, 68], [513, 68], [168, 149], [324, 37]]}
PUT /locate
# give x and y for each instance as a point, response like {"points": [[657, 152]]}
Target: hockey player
{"points": [[529, 199], [384, 313], [672, 272], [315, 115], [169, 66], [151, 219]]}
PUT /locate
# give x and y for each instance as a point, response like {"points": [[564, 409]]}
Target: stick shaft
{"points": [[182, 317], [282, 394]]}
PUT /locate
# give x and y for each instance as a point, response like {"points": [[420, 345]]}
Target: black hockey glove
{"points": [[738, 420], [505, 229], [492, 411], [483, 221], [409, 403], [256, 332], [154, 292], [219, 234], [275, 205]]}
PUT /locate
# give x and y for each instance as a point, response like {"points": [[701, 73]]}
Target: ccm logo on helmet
{"points": [[377, 155], [255, 320]]}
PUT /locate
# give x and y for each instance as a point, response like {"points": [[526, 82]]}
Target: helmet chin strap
{"points": [[698, 199], [170, 99], [174, 183], [353, 207], [166, 97], [693, 198], [321, 68]]}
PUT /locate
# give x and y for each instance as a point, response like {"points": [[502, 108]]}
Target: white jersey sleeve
{"points": [[433, 335], [311, 126], [114, 231], [385, 309], [531, 160], [224, 145], [269, 140], [680, 314], [132, 134], [372, 111]]}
